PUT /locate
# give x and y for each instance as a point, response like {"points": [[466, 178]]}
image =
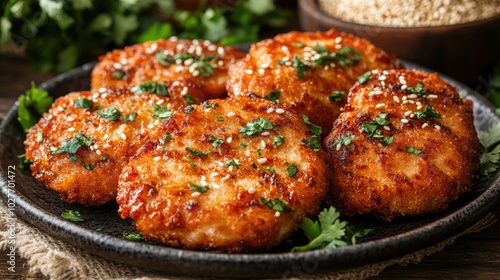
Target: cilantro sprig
{"points": [[72, 215], [255, 127], [490, 141], [32, 104], [328, 232], [70, 147]]}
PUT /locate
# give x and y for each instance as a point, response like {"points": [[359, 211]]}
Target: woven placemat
{"points": [[54, 259]]}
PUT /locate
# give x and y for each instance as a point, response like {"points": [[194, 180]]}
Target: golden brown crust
{"points": [[139, 63], [264, 70], [113, 142], [390, 181], [154, 187]]}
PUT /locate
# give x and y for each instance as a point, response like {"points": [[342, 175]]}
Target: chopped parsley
{"points": [[205, 68], [39, 137], [292, 170], [133, 236], [299, 45], [71, 146], [429, 113], [89, 166], [314, 129], [276, 204], [313, 143], [188, 109], [150, 87], [490, 140], [364, 77], [110, 114], [386, 140], [201, 189], [165, 137], [336, 96], [273, 96], [414, 151], [234, 162], [210, 105], [299, 65], [216, 142], [344, 56], [161, 112], [278, 140], [32, 104], [419, 89], [270, 169], [373, 127], [243, 145], [255, 127], [162, 58], [219, 118], [118, 74], [130, 117], [189, 99], [346, 140], [197, 153], [72, 215], [328, 232], [83, 103]]}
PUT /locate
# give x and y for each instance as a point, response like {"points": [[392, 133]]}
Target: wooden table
{"points": [[473, 256]]}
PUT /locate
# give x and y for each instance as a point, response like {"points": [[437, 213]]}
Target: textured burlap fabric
{"points": [[49, 258]]}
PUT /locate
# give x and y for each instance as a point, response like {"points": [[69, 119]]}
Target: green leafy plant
{"points": [[59, 35]]}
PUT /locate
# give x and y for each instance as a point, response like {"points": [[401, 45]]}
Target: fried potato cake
{"points": [[405, 144], [80, 145], [193, 68], [232, 175], [309, 73]]}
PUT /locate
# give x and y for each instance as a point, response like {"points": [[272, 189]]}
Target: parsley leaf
{"points": [[490, 140], [328, 232], [344, 56], [315, 129], [216, 142], [292, 170], [386, 140], [201, 189], [71, 146], [133, 236], [273, 96], [413, 150], [234, 162], [419, 89], [72, 215], [118, 74], [278, 140], [32, 104], [188, 109], [364, 77], [161, 112], [346, 140], [150, 87], [197, 153], [257, 126], [189, 99], [110, 114], [313, 143], [373, 127], [276, 204], [83, 103], [429, 113], [130, 117], [336, 96]]}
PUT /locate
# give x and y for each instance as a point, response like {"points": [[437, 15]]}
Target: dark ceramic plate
{"points": [[101, 233]]}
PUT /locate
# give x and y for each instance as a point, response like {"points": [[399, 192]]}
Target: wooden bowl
{"points": [[461, 51]]}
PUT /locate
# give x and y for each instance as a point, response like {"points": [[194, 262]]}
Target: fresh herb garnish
{"points": [[386, 140], [278, 140], [300, 66], [110, 114], [118, 74], [130, 117], [89, 166], [161, 112], [83, 103], [336, 96], [210, 105], [188, 109], [328, 232], [72, 215], [346, 140], [150, 87], [197, 153], [39, 137], [276, 204], [216, 142], [490, 140], [419, 89], [164, 138], [273, 96], [313, 143], [373, 127], [234, 162], [25, 163], [344, 56], [292, 170], [189, 99], [32, 104], [313, 128], [414, 151], [257, 126], [270, 169], [133, 236], [364, 77], [201, 189], [219, 118], [71, 146], [429, 113]]}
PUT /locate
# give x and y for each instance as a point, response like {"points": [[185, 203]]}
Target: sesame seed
{"points": [[270, 110], [412, 96], [277, 213], [338, 46], [247, 153], [152, 48], [437, 127], [380, 105], [98, 152], [248, 71], [124, 61], [382, 77], [251, 190], [159, 102], [106, 146], [151, 125], [371, 93], [117, 65], [382, 83], [225, 178], [230, 168], [216, 186], [404, 87], [188, 61], [123, 136], [221, 51], [412, 116], [396, 99], [262, 160], [407, 113], [195, 73], [102, 90], [157, 158], [265, 133], [195, 194], [212, 48], [214, 174], [95, 95], [405, 121], [338, 40], [60, 108], [285, 49], [425, 125], [184, 91], [96, 146], [70, 119], [432, 96], [71, 129], [231, 114], [229, 139], [385, 72], [419, 107], [387, 128], [262, 144], [157, 122], [261, 71], [280, 111]]}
